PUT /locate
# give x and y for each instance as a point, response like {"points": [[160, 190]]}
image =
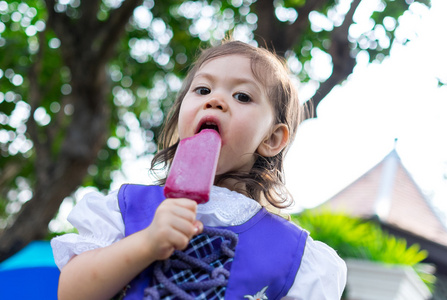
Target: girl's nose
{"points": [[216, 102]]}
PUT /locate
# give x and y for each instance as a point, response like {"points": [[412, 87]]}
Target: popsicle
{"points": [[194, 167]]}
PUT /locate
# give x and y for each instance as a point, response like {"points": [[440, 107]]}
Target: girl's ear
{"points": [[275, 141]]}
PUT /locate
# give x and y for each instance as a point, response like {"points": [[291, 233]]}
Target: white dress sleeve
{"points": [[99, 223], [322, 274]]}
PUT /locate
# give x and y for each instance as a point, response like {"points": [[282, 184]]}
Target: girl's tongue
{"points": [[209, 125]]}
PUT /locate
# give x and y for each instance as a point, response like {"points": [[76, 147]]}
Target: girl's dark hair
{"points": [[266, 178]]}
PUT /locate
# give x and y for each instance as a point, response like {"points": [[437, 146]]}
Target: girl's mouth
{"points": [[208, 123]]}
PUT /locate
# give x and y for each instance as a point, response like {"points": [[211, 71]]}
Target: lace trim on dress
{"points": [[228, 208], [68, 245]]}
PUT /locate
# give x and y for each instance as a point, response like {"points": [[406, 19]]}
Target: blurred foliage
{"points": [[151, 59], [356, 238]]}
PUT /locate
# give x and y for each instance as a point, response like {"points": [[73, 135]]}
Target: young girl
{"points": [[135, 243]]}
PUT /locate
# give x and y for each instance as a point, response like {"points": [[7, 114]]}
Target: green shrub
{"points": [[356, 238]]}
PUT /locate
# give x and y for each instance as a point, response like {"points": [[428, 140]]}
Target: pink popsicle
{"points": [[194, 167]]}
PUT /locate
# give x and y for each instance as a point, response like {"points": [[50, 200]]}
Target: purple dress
{"points": [[256, 260]]}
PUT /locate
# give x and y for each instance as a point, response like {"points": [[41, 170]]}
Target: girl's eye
{"points": [[202, 91], [241, 97]]}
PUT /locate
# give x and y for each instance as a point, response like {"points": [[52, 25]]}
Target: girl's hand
{"points": [[102, 272], [172, 228]]}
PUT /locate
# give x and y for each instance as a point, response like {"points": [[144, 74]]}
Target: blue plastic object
{"points": [[30, 274]]}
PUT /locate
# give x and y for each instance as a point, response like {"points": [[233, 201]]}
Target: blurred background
{"points": [[85, 87]]}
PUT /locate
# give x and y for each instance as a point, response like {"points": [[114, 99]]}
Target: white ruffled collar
{"points": [[226, 208]]}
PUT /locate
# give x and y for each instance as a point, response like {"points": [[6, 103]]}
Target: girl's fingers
{"points": [[198, 227], [189, 213], [183, 213], [178, 240], [185, 232], [184, 208], [184, 226], [184, 202], [174, 225]]}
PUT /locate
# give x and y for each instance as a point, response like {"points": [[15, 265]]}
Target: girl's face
{"points": [[225, 95]]}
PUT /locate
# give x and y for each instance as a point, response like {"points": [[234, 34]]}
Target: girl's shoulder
{"points": [[98, 221], [92, 205]]}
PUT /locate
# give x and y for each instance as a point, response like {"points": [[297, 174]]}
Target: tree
{"points": [[79, 79]]}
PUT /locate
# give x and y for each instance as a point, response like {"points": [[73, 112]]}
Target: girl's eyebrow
{"points": [[237, 79]]}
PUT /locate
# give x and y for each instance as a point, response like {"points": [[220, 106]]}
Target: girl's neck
{"points": [[237, 186], [233, 185]]}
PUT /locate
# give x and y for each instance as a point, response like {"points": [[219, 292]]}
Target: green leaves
{"points": [[294, 3], [355, 238]]}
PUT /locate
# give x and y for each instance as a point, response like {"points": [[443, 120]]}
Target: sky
{"points": [[359, 121]]}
